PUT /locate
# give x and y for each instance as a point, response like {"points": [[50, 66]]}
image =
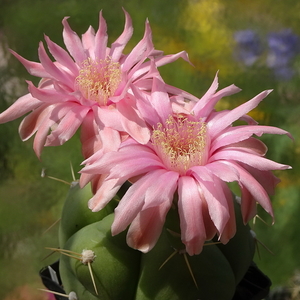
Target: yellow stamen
{"points": [[99, 79], [181, 143]]}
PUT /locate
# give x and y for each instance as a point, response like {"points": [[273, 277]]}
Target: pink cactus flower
{"points": [[90, 85], [193, 153]]}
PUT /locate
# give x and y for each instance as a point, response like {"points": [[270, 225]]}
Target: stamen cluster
{"points": [[99, 79], [181, 143]]}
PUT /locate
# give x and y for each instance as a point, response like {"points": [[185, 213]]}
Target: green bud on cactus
{"points": [[71, 282], [116, 266]]}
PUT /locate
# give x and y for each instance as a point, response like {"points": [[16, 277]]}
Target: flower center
{"points": [[99, 79], [181, 143]]}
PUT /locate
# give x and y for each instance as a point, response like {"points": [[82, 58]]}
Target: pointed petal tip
{"points": [[14, 53], [236, 88], [148, 31], [126, 12], [64, 20], [101, 15], [128, 19]]}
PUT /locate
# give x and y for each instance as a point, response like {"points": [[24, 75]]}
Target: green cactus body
{"points": [[164, 273], [116, 266], [76, 214], [174, 281]]}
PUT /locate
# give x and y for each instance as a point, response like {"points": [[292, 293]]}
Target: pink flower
{"points": [[193, 153], [88, 86]]}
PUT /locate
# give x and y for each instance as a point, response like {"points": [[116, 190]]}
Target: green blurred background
{"points": [[254, 44]]}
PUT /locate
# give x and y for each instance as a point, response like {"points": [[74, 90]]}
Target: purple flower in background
{"points": [[283, 46], [248, 46]]}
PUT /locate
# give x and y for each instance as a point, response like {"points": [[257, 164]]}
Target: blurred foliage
{"points": [[205, 29]]}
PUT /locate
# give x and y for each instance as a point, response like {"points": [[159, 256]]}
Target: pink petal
{"points": [[19, 108], [32, 122], [101, 39], [266, 178], [180, 93], [97, 181], [111, 139], [250, 145], [88, 41], [162, 190], [48, 95], [161, 61], [207, 96], [138, 167], [235, 114], [53, 70], [107, 116], [132, 123], [210, 228], [190, 212], [203, 172], [139, 52], [110, 159], [132, 202], [240, 133], [219, 173], [146, 228], [216, 202], [248, 205], [122, 90], [252, 192], [96, 142], [59, 110], [144, 80], [253, 160], [160, 99], [145, 108], [145, 55], [85, 179], [62, 56], [248, 120], [107, 190], [33, 68], [73, 43], [167, 59], [230, 228], [219, 169], [89, 136], [118, 46], [130, 163], [41, 136], [126, 163], [209, 103], [67, 126]]}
